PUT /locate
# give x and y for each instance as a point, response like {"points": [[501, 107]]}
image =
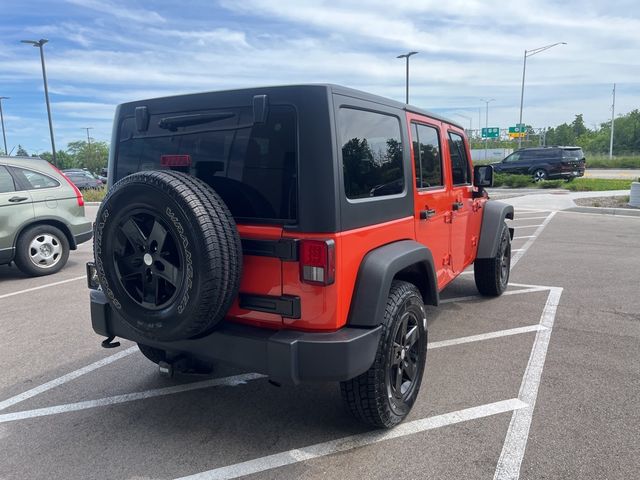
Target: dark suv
{"points": [[295, 231], [544, 163]]}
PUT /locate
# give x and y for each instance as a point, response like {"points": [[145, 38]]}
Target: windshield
{"points": [[252, 167]]}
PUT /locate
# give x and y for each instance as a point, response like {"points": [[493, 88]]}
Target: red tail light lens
{"points": [[175, 160], [76, 190], [317, 262]]}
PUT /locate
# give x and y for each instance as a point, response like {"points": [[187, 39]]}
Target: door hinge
{"points": [[446, 260]]}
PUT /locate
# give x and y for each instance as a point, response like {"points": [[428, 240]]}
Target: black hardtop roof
{"points": [[338, 89]]}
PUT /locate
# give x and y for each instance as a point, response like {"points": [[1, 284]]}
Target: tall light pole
{"points": [[530, 53], [88, 141], [613, 117], [40, 43], [486, 123], [4, 135], [407, 55]]}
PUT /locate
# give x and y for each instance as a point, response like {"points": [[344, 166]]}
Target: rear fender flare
{"points": [[405, 259]]}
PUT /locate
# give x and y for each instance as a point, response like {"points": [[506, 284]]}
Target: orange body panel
{"points": [[452, 236]]}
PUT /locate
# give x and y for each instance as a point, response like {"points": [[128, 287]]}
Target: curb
{"points": [[624, 212]]}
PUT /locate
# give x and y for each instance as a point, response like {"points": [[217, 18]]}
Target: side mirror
{"points": [[483, 176]]}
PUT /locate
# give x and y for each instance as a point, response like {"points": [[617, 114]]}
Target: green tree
{"points": [[578, 126], [92, 156], [21, 152]]}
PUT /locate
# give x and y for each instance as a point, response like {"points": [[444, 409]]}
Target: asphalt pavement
{"points": [[622, 173], [543, 382]]}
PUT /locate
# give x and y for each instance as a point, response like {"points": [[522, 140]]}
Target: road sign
{"points": [[519, 128], [491, 132], [517, 134]]}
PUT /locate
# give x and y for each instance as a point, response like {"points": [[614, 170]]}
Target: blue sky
{"points": [[104, 52]]}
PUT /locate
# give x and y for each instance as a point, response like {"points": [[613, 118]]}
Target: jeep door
{"points": [[431, 197], [466, 213], [16, 209]]}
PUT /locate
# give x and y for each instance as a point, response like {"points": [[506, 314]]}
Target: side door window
{"points": [[427, 156]]}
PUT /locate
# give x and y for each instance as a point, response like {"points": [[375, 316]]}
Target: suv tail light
{"points": [[317, 262], [76, 190]]}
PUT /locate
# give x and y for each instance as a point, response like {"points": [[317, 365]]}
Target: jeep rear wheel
{"points": [[168, 254], [492, 274], [384, 394]]}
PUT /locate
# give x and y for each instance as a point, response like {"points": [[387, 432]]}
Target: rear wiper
{"points": [[172, 123]]}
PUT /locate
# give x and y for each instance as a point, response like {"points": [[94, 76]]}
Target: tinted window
{"points": [[573, 153], [6, 181], [514, 157], [459, 162], [426, 156], [35, 180], [371, 153], [252, 167]]}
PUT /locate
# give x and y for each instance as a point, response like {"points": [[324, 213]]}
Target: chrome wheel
{"points": [[539, 175], [45, 250]]}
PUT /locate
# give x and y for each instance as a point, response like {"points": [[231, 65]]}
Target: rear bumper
{"points": [[286, 356], [83, 237]]}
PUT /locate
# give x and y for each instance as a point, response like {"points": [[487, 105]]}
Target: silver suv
{"points": [[41, 216]]}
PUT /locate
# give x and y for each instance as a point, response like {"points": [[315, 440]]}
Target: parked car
{"points": [[284, 230], [544, 163], [83, 179], [41, 216]]}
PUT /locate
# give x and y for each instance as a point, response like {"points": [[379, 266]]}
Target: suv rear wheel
{"points": [[492, 274], [168, 254], [540, 175], [384, 394]]}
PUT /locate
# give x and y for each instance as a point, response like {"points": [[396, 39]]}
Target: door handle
{"points": [[457, 205], [426, 214], [18, 199]]}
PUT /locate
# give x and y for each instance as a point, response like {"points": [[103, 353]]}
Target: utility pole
{"points": [[40, 44], [4, 136], [613, 117], [89, 153]]}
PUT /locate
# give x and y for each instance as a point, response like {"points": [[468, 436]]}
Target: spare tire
{"points": [[168, 254]]}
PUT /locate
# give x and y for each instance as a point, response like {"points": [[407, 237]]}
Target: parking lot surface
{"points": [[543, 382]]}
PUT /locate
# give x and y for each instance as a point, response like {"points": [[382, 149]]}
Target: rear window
{"points": [[253, 167], [34, 180], [576, 153]]}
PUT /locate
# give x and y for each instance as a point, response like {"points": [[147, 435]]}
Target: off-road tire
{"points": [[199, 252], [492, 274], [368, 397], [23, 247]]}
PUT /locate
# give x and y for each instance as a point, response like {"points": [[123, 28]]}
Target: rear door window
{"points": [[426, 156], [6, 181], [253, 167], [34, 180], [371, 153], [459, 161]]}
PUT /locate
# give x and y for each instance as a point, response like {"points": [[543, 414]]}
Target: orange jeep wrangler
{"points": [[296, 231]]}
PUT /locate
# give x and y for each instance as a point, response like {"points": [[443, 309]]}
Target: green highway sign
{"points": [[491, 132], [519, 128]]}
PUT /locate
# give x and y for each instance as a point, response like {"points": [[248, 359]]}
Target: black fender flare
{"points": [[494, 213], [405, 259]]}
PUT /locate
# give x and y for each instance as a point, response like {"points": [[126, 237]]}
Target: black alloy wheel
{"points": [[147, 259]]}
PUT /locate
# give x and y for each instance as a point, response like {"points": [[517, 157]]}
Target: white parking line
{"points": [[515, 443], [528, 289], [527, 226], [516, 258], [129, 397], [485, 336], [65, 378], [344, 444], [527, 218], [33, 289], [524, 236]]}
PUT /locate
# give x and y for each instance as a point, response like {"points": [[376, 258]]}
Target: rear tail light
{"points": [[79, 197], [175, 160], [317, 262]]}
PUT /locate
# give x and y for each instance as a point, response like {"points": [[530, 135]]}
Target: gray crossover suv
{"points": [[41, 216]]}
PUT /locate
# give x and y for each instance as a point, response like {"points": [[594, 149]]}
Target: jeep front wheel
{"points": [[492, 274], [168, 254], [384, 394]]}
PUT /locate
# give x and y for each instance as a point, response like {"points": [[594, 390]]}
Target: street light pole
{"points": [[470, 121], [40, 44], [4, 136], [407, 55], [530, 53], [486, 123], [89, 153], [613, 117]]}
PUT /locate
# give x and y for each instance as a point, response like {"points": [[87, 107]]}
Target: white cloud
{"points": [[120, 11]]}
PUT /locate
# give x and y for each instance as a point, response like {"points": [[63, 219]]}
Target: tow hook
{"points": [[109, 343], [183, 365]]}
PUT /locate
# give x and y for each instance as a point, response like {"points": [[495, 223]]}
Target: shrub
{"points": [[551, 184], [94, 194]]}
